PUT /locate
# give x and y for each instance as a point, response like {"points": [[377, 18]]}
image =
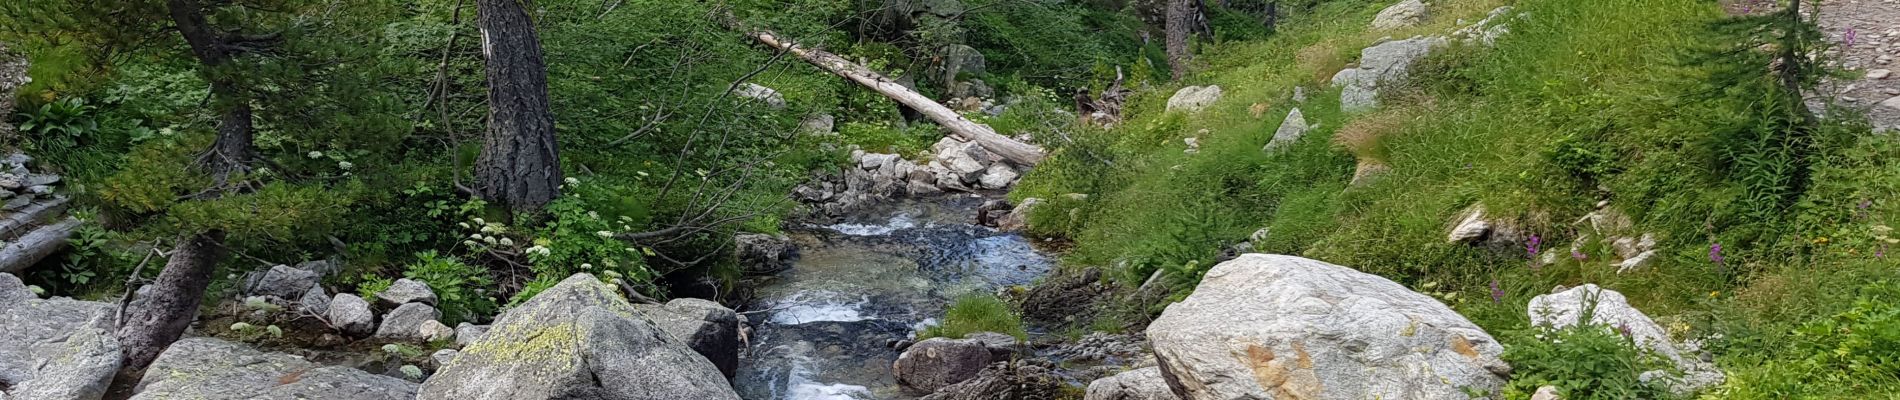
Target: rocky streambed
{"points": [[824, 329]]}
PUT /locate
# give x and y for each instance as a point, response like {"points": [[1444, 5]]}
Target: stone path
{"points": [[1866, 35]]}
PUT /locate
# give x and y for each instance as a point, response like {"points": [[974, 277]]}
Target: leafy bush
{"points": [[1860, 343], [1585, 361], [60, 125], [462, 290], [977, 313]]}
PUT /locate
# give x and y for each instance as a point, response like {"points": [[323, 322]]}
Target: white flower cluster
{"points": [[539, 250], [489, 234]]}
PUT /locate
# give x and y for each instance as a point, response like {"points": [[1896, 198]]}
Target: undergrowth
{"points": [[1662, 109]]}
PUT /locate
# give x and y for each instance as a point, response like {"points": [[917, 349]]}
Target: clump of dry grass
{"points": [[1323, 58], [1364, 137]]}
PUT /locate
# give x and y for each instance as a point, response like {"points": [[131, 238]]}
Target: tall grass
{"points": [[1581, 102]]}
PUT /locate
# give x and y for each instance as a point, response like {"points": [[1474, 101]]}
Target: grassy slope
{"points": [[1605, 76]]}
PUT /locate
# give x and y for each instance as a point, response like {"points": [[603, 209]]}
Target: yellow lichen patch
{"points": [[554, 345]]}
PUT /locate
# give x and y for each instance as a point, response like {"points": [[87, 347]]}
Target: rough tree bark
{"points": [[168, 305], [234, 149], [1179, 21], [1017, 152], [520, 165], [165, 308]]}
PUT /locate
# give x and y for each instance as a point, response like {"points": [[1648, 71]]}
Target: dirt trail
{"points": [[1866, 34]]}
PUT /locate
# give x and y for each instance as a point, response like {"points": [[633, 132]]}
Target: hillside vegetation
{"points": [[1772, 243]]}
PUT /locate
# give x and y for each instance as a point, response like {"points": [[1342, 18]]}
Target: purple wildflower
{"points": [[1497, 294], [1577, 254], [1625, 330], [1848, 38], [1715, 253], [1531, 247]]}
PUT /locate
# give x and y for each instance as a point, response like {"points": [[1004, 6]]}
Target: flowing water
{"points": [[822, 329]]}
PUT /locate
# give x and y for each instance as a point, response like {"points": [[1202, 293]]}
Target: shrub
{"points": [[1853, 353], [462, 290], [1586, 361], [977, 313]]}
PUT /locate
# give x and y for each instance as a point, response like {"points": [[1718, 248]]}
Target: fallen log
{"points": [[1017, 152], [36, 245], [16, 224]]}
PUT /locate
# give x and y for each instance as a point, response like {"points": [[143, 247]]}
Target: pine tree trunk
{"points": [[520, 165], [162, 311], [168, 305], [234, 148], [1180, 20]]}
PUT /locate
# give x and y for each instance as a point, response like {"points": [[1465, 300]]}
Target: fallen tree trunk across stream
{"points": [[1017, 152]]}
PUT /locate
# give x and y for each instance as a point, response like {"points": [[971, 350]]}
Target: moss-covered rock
{"points": [[206, 368], [578, 339]]}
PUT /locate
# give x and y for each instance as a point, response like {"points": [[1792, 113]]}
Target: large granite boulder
{"points": [[939, 362], [961, 60], [212, 369], [1381, 65], [710, 329], [1138, 384], [577, 340], [54, 349], [1276, 327]]}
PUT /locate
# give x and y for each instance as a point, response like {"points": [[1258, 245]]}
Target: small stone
{"points": [[351, 315], [443, 357], [19, 202], [467, 333], [406, 322], [1893, 103], [315, 301], [282, 281], [41, 179], [1547, 393], [1404, 14], [754, 91], [1194, 98], [43, 189], [17, 160], [435, 331], [1879, 74], [405, 291]]}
